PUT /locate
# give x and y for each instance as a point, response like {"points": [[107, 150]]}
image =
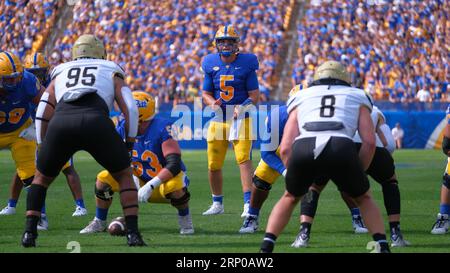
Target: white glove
{"points": [[144, 193], [29, 133]]}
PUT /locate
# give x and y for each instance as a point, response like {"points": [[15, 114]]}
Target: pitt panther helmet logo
{"points": [[146, 105], [226, 40]]}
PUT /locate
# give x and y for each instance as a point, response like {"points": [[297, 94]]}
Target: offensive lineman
{"points": [[156, 163]]}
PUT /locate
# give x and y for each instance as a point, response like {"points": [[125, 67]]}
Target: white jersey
{"points": [[72, 79], [375, 115], [324, 111]]}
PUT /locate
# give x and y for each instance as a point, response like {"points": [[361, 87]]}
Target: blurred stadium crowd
{"points": [[160, 43], [397, 50]]}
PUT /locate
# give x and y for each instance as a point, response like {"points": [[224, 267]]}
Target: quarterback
{"points": [[230, 88]]}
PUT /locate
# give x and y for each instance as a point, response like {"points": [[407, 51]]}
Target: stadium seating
{"points": [[25, 25], [393, 49], [160, 43]]}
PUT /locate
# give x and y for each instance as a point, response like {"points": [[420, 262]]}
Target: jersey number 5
{"points": [[226, 92]]}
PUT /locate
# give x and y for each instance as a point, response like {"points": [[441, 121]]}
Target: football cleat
{"points": [[302, 239], [8, 211], [43, 222], [245, 211], [94, 226], [216, 208], [29, 239], [135, 239], [358, 225], [397, 239], [441, 225], [186, 226], [250, 224], [79, 211]]}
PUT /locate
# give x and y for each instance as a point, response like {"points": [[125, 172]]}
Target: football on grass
{"points": [[117, 227]]}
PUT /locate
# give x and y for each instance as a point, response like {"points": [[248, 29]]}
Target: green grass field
{"points": [[419, 173]]}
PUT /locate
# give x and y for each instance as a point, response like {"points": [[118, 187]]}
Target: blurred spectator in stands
{"points": [[398, 134], [423, 95]]}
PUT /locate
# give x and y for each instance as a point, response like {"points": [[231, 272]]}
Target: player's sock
{"points": [[444, 209], [381, 240], [355, 212], [306, 227], [183, 212], [253, 211], [12, 203], [31, 223], [132, 223], [80, 203], [268, 243], [101, 214], [394, 225], [217, 198], [247, 195], [43, 210]]}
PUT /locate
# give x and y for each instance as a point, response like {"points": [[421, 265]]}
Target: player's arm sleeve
{"points": [[120, 128], [389, 138], [208, 82], [133, 114], [273, 160], [252, 78], [166, 132], [270, 156]]}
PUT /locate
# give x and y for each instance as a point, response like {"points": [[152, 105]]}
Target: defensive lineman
{"points": [[73, 115], [318, 141]]}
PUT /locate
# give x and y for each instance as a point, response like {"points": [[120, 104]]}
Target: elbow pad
{"points": [[173, 164], [39, 116], [446, 145], [133, 113], [389, 138]]}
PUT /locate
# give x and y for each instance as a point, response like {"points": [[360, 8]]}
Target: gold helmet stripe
{"points": [[35, 59]]}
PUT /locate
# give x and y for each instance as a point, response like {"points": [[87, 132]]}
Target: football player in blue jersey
{"points": [[20, 91], [271, 167], [37, 64], [442, 221], [230, 88], [158, 170]]}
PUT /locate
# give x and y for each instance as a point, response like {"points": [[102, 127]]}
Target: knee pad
{"points": [[215, 165], [242, 158], [27, 182], [261, 184], [105, 194], [182, 200], [446, 181]]}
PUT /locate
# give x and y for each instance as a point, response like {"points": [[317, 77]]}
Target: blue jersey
{"points": [[230, 82], [447, 114], [15, 107], [271, 157], [148, 158]]}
